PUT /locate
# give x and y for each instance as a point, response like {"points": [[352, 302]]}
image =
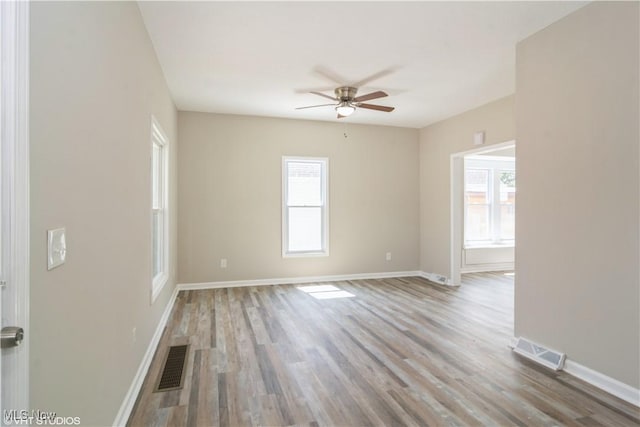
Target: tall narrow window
{"points": [[304, 211], [489, 197], [507, 183], [159, 204]]}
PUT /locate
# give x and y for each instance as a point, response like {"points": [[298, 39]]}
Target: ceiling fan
{"points": [[347, 101]]}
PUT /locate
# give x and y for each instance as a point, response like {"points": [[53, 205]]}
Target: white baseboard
{"points": [[603, 382], [136, 385], [597, 379], [437, 278], [293, 280]]}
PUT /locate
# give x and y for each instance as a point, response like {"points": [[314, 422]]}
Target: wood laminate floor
{"points": [[399, 352]]}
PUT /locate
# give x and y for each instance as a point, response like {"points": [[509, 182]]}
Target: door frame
{"points": [[456, 198], [14, 127]]}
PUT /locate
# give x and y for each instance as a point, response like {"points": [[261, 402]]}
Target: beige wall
{"points": [[577, 287], [437, 143], [95, 82], [230, 196]]}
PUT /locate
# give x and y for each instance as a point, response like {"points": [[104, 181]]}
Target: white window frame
{"points": [[492, 164], [159, 138], [324, 162]]}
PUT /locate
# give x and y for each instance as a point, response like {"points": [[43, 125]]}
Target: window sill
{"points": [[305, 254], [490, 246], [157, 285]]}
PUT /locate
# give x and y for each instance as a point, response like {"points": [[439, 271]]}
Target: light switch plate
{"points": [[56, 248]]}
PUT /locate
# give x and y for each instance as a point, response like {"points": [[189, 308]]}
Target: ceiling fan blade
{"points": [[377, 107], [322, 94], [375, 76], [315, 89], [314, 106], [340, 116], [330, 75], [372, 95]]}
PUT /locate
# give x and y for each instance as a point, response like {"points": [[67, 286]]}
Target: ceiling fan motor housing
{"points": [[346, 93], [348, 102]]}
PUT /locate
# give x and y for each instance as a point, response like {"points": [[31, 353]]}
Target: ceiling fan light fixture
{"points": [[345, 109]]}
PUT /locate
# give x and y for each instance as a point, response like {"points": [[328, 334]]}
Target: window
{"points": [[159, 204], [304, 210], [489, 197]]}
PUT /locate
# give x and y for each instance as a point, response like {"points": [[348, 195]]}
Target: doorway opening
{"points": [[483, 188]]}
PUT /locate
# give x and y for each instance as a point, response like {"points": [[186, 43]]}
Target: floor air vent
{"points": [[539, 354], [172, 375]]}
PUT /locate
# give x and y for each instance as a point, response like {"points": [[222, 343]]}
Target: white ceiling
{"points": [[434, 59]]}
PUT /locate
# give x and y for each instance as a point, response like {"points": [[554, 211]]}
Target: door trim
{"points": [[14, 24]]}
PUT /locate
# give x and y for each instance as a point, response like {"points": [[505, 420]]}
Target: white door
{"points": [[14, 205]]}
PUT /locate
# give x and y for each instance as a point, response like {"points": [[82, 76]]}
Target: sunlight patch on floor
{"points": [[325, 291]]}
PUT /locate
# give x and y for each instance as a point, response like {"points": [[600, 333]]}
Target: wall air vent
{"points": [[539, 354], [437, 278]]}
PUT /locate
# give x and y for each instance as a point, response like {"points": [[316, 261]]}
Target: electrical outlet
{"points": [[134, 337], [388, 256], [223, 263]]}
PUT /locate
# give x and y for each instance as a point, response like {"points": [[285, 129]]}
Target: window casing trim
{"points": [[324, 161], [159, 138]]}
